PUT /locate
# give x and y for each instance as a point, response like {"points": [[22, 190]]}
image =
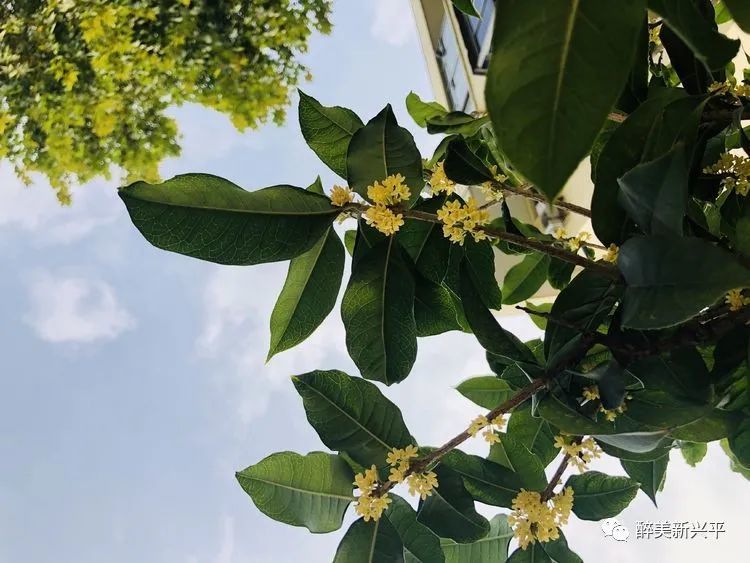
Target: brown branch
{"points": [[549, 490], [527, 192]]}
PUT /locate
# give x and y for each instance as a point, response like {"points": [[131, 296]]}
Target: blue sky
{"points": [[134, 382]]}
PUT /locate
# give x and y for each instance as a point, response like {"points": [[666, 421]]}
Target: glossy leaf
{"points": [[380, 149], [479, 259], [313, 490], [450, 512], [486, 481], [375, 541], [710, 47], [463, 166], [486, 391], [209, 218], [669, 280], [598, 496], [554, 78], [655, 193], [352, 415], [534, 433], [512, 454], [740, 11], [739, 442], [556, 551], [523, 280], [419, 543], [693, 452], [420, 111], [467, 7], [309, 293], [456, 123], [328, 131], [650, 474], [492, 548], [434, 309], [378, 314]]}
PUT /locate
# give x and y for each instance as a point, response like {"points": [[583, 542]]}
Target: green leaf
{"points": [[486, 391], [463, 166], [554, 78], [467, 7], [655, 193], [316, 187], [710, 47], [556, 551], [559, 273], [492, 548], [714, 425], [585, 303], [380, 149], [420, 544], [669, 280], [309, 293], [486, 481], [693, 452], [421, 111], [352, 415], [375, 541], [456, 123], [597, 496], [734, 464], [479, 259], [450, 512], [739, 442], [740, 11], [650, 474], [493, 338], [534, 433], [626, 148], [523, 280], [350, 238], [378, 314], [425, 244], [328, 131], [662, 448], [434, 309], [209, 218], [313, 490], [515, 456], [539, 320]]}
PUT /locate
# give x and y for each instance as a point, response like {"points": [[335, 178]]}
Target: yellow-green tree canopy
{"points": [[84, 84]]}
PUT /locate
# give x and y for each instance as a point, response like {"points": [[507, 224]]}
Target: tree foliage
{"points": [[645, 346], [84, 85]]}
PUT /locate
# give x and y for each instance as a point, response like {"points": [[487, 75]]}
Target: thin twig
{"points": [[527, 192], [549, 490]]}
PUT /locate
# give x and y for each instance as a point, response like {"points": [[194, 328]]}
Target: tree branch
{"points": [[549, 490]]}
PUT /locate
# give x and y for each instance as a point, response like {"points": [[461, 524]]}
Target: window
{"points": [[477, 33], [454, 77]]}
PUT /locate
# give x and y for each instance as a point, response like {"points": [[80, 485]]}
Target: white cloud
{"points": [[226, 550], [393, 22], [35, 209], [75, 310]]}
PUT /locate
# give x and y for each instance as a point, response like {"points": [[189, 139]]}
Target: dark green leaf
{"points": [[375, 541], [352, 415], [380, 149], [479, 259], [425, 244], [669, 280], [661, 449], [486, 481], [559, 273], [710, 47], [523, 280], [739, 442], [492, 548], [534, 433], [655, 193], [328, 131], [650, 474], [434, 309], [350, 238], [463, 166], [556, 551], [512, 454], [740, 10], [450, 512], [554, 78], [597, 496], [309, 293], [210, 218], [420, 544], [467, 7], [456, 123], [486, 391], [420, 111], [378, 314], [539, 320], [493, 338], [311, 491]]}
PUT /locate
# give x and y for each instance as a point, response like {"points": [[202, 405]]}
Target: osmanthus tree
{"points": [[84, 84], [645, 348]]}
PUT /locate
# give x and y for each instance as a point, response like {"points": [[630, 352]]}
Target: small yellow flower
{"points": [[591, 393], [490, 436], [397, 456], [580, 453], [397, 474], [534, 520], [736, 171], [439, 182], [383, 219], [477, 424], [366, 481], [341, 196], [459, 220], [70, 79], [736, 300], [371, 507], [612, 253], [390, 191], [422, 484], [560, 233]]}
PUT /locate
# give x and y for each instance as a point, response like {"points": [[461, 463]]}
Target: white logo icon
{"points": [[612, 527]]}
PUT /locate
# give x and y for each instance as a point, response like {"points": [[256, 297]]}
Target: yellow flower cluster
{"points": [[458, 220], [439, 182], [612, 253], [491, 428], [369, 505], [341, 196], [398, 459], [580, 453], [573, 243], [390, 191], [488, 189], [739, 90], [738, 170], [534, 520], [591, 393], [422, 484], [736, 300]]}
